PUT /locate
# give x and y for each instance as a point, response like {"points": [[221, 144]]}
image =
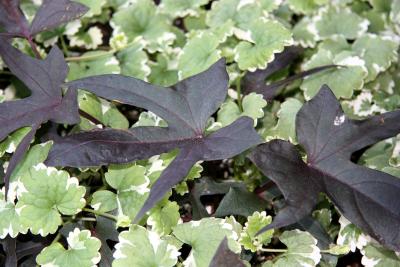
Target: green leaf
{"points": [[44, 194], [375, 255], [267, 37], [83, 251], [252, 105], [248, 238], [182, 8], [133, 60], [142, 19], [351, 235], [204, 237], [342, 80], [301, 250], [286, 127], [89, 39], [304, 34], [104, 64], [164, 71], [199, 53], [332, 22], [95, 6], [305, 6], [10, 223], [132, 187], [11, 142], [142, 248], [163, 217], [377, 52]]}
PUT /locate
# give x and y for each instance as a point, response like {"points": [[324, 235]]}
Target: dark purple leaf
{"points": [[44, 78], [368, 198], [224, 257], [255, 81], [186, 107], [53, 13], [50, 15], [9, 246], [11, 18]]}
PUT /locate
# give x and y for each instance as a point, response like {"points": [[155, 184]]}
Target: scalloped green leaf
{"points": [[164, 71], [301, 250], [199, 53], [142, 248], [248, 238], [286, 126], [182, 8], [95, 6], [89, 39], [377, 52], [11, 142], [83, 251], [134, 61], [44, 194], [305, 6], [342, 81], [333, 21], [252, 106], [10, 223], [106, 64], [141, 18], [163, 217], [266, 38], [375, 255], [351, 235], [204, 237]]}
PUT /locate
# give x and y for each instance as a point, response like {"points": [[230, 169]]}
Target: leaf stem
{"points": [[239, 92], [273, 250], [55, 240], [64, 45], [34, 48], [103, 214]]}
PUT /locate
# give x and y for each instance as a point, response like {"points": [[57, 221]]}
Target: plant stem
{"points": [[103, 214], [64, 45], [90, 57], [6, 73], [87, 219], [34, 48], [55, 240], [239, 92], [273, 250]]}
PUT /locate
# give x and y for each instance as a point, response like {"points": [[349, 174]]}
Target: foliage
{"points": [[183, 132]]}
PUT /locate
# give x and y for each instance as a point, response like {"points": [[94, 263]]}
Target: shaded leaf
{"points": [[224, 257], [367, 197]]}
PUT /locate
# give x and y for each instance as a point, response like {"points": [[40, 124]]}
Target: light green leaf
{"points": [[255, 223], [342, 81], [267, 37], [11, 142], [95, 6], [332, 22], [164, 71], [199, 53], [89, 39], [270, 5], [377, 52], [132, 187], [104, 201], [142, 248], [204, 237], [133, 60], [45, 194], [350, 235], [286, 126], [83, 251], [10, 223], [105, 64], [148, 118], [301, 250], [305, 6], [228, 113], [182, 8], [163, 217], [375, 255], [141, 19], [304, 34], [253, 105]]}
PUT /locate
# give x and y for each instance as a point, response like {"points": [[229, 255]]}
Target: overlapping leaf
{"points": [[186, 107], [44, 79], [367, 197], [51, 14]]}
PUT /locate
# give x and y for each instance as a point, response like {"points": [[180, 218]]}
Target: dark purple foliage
{"points": [[186, 107], [224, 257], [367, 197]]}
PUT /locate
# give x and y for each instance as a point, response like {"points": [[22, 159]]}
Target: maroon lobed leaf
{"points": [[367, 197], [224, 257], [186, 107], [51, 14], [44, 78]]}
